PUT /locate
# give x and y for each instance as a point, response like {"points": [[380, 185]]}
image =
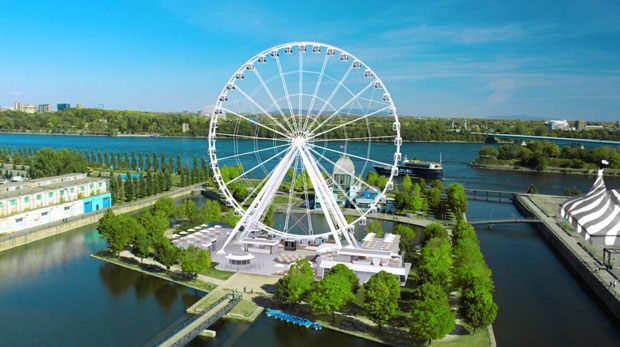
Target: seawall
{"points": [[27, 236], [589, 269]]}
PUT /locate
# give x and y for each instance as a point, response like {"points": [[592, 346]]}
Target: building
{"points": [[32, 203], [345, 186], [558, 125], [44, 108], [62, 107], [374, 255], [27, 108]]}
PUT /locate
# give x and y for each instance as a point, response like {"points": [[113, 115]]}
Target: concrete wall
{"points": [[591, 277]]}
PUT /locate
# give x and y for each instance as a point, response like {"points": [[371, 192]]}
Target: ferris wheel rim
{"points": [[220, 106]]}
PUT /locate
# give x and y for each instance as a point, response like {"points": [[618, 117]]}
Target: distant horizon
{"points": [[447, 58]]}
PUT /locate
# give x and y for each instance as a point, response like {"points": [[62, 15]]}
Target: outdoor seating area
{"points": [[286, 258], [203, 237]]}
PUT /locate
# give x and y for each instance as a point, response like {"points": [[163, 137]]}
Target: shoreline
{"points": [[562, 171]]}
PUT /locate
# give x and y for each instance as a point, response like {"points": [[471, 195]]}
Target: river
{"points": [[53, 293]]}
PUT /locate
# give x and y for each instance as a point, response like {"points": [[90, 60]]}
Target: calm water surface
{"points": [[53, 293]]}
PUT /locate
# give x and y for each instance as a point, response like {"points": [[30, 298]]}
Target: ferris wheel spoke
{"points": [[287, 96], [265, 112], [259, 165], [338, 126], [350, 155], [366, 138], [275, 102], [252, 152], [353, 98], [249, 137], [257, 123], [316, 91]]}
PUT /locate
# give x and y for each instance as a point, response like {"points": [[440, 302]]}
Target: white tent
{"points": [[596, 214]]}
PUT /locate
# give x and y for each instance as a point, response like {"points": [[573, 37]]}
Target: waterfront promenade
{"points": [[578, 254]]}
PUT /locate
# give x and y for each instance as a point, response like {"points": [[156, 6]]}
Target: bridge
{"points": [[490, 195], [181, 333], [504, 221], [548, 138]]}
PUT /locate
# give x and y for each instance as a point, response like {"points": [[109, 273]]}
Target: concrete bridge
{"points": [[490, 195], [504, 221]]}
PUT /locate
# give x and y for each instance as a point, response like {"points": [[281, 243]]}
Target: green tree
{"points": [[434, 230], [212, 211], [374, 227], [165, 205], [269, 221], [166, 253], [381, 295], [49, 162], [195, 260], [294, 286], [156, 224], [457, 200], [431, 317], [113, 230], [406, 184], [344, 272], [480, 310], [435, 263], [141, 243], [331, 294]]}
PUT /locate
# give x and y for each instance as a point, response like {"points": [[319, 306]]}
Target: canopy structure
{"points": [[596, 214]]}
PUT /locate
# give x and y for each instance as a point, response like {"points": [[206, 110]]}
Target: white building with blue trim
{"points": [[32, 203]]}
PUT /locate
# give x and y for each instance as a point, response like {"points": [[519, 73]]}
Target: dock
{"points": [[289, 318]]}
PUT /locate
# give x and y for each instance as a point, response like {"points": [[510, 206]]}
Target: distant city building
{"points": [[62, 107], [78, 106], [558, 124], [44, 108], [580, 125], [17, 106], [185, 127]]}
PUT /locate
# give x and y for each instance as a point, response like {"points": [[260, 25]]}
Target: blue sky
{"points": [[447, 58]]}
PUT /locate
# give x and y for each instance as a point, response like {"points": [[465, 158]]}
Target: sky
{"points": [[443, 58]]}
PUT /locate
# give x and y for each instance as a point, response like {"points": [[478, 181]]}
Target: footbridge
{"points": [[181, 333], [504, 221], [490, 195]]}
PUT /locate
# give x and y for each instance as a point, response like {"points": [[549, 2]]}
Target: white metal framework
{"points": [[280, 125]]}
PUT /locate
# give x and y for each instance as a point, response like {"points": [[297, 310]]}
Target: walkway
{"points": [[583, 258]]}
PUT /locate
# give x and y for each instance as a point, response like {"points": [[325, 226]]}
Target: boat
{"points": [[414, 167], [277, 314]]}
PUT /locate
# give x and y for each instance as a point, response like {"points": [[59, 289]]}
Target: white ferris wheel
{"points": [[292, 132]]}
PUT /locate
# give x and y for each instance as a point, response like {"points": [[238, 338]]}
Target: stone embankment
{"points": [[598, 277], [26, 236]]}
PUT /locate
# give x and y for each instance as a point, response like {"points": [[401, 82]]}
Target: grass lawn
{"points": [[218, 274]]}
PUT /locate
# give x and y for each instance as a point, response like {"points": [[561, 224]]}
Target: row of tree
{"points": [[442, 266], [339, 287], [114, 122], [144, 234]]}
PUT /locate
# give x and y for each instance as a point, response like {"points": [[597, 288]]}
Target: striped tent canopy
{"points": [[596, 214]]}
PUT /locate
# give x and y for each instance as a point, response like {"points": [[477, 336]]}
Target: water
{"points": [[52, 292]]}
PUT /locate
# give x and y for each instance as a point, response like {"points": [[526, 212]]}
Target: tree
{"points": [[113, 230], [195, 260], [269, 221], [371, 178], [344, 272], [49, 162], [457, 200], [381, 295], [433, 197], [166, 253], [480, 310], [406, 184], [431, 317], [165, 205], [434, 230], [374, 227], [331, 294], [293, 287], [488, 152], [212, 211], [141, 244], [230, 218], [435, 263], [155, 224]]}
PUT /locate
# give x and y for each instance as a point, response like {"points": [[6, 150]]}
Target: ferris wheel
{"points": [[293, 132]]}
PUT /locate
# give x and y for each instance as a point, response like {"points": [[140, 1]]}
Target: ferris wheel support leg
{"points": [[331, 210], [262, 201]]}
